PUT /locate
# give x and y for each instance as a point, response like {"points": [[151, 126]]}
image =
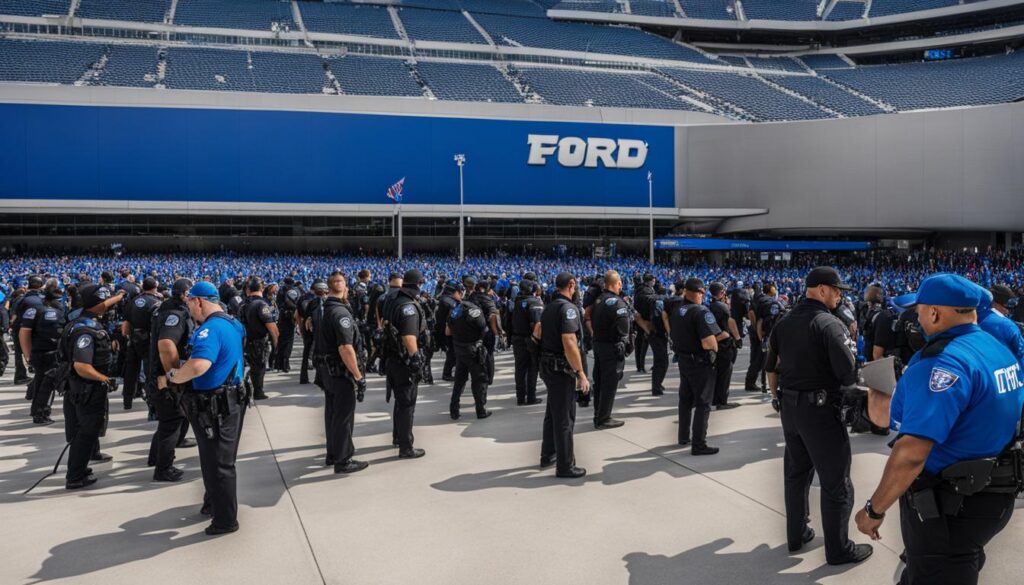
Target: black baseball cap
{"points": [[825, 275], [1002, 294], [180, 287], [716, 287], [563, 279], [694, 285], [93, 295], [413, 277]]}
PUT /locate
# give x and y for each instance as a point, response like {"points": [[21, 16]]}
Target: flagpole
{"points": [[399, 230], [460, 160], [650, 207]]}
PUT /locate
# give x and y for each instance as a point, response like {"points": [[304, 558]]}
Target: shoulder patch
{"points": [[474, 313], [171, 320], [683, 310], [774, 310], [50, 315], [941, 380], [570, 315], [203, 333], [140, 302], [709, 318], [523, 304], [83, 342], [265, 310], [293, 294], [345, 323], [29, 314], [659, 305], [611, 301], [409, 310], [622, 311]]}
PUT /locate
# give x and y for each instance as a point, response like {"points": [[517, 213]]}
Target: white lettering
{"points": [[541, 146], [572, 151], [600, 148], [1008, 379], [632, 154]]}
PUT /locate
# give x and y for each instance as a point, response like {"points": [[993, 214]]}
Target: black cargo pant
{"points": [[307, 350], [283, 355], [723, 374], [217, 454], [43, 385], [468, 366], [20, 372], [817, 442], [449, 357], [526, 371], [135, 357], [339, 415], [256, 356], [950, 550], [400, 378], [640, 348], [85, 412], [659, 349], [608, 366], [696, 390], [755, 371], [559, 419], [171, 427]]}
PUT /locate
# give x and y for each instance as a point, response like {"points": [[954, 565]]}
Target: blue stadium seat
{"points": [[46, 61], [819, 62], [509, 7], [566, 87], [134, 10], [374, 76], [776, 63], [734, 60], [246, 14], [130, 66], [208, 69], [589, 5], [653, 7], [828, 95], [889, 7], [276, 72], [348, 19], [439, 25], [710, 9], [781, 9], [847, 11], [35, 7], [752, 95], [467, 82]]}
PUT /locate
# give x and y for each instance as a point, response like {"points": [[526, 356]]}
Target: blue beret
{"points": [[204, 289], [949, 290]]}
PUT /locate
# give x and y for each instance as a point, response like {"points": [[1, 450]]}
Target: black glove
{"points": [[360, 389], [739, 343], [777, 405], [112, 384], [415, 362]]}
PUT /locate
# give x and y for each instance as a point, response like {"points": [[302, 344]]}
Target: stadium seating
{"points": [[781, 9], [570, 36], [589, 5], [208, 69], [752, 95], [828, 95], [958, 82], [734, 60], [374, 76], [653, 7], [135, 10], [776, 63], [46, 61], [889, 7], [467, 82], [847, 11], [439, 25], [35, 7], [566, 87], [509, 7], [710, 9], [244, 14], [349, 19], [276, 72], [818, 62], [129, 66]]}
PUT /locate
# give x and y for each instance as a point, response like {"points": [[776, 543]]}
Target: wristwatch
{"points": [[871, 512], [170, 374]]}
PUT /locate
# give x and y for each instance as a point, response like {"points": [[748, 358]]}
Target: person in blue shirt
{"points": [[992, 318], [214, 404], [960, 400]]}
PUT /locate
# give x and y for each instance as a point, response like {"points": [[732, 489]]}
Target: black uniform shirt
{"points": [[33, 299], [445, 303], [560, 316], [468, 323], [90, 344], [657, 307], [525, 314], [334, 327], [257, 314], [485, 302], [740, 305], [610, 318], [722, 315], [45, 324], [140, 312], [877, 320], [287, 300], [808, 349], [590, 296], [174, 323], [690, 324], [642, 300], [405, 312]]}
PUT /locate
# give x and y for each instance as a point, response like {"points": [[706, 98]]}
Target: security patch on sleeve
{"points": [[140, 302], [709, 318], [83, 342], [611, 301], [203, 333], [29, 314], [171, 321], [941, 380], [474, 313], [346, 323], [570, 315], [265, 310], [622, 311], [409, 310]]}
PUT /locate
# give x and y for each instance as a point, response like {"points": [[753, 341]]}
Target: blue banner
{"points": [[757, 245], [199, 155]]}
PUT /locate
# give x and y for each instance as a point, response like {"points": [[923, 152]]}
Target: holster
{"points": [[480, 353], [555, 364]]}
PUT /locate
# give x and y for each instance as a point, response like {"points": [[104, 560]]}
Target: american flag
{"points": [[395, 191]]}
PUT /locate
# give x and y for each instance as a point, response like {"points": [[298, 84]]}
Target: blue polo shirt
{"points": [[967, 399], [219, 340], [1002, 328]]}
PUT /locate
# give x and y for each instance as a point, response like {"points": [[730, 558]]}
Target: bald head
{"points": [[935, 319], [612, 281]]}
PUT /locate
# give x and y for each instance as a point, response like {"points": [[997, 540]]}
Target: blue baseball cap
{"points": [[205, 290], [948, 290]]}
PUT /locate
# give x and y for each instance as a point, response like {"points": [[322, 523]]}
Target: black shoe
{"points": [[609, 424], [411, 453], [751, 389], [703, 450], [447, 378], [808, 536], [78, 484], [659, 392], [546, 462], [24, 380], [212, 530], [350, 466], [303, 380], [151, 416], [641, 370], [329, 461], [395, 444], [727, 406], [127, 405], [572, 473], [150, 463], [453, 411], [206, 510], [42, 420], [171, 474], [684, 443], [258, 396], [858, 553], [185, 444], [101, 457], [534, 401], [483, 413]]}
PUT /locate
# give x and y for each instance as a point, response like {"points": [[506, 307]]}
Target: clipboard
{"points": [[880, 375]]}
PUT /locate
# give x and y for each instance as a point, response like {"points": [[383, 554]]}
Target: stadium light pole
{"points": [[650, 210], [460, 161]]}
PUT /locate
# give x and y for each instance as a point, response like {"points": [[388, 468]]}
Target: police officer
{"points": [[136, 328], [609, 319], [727, 347], [957, 408], [171, 328], [768, 311], [482, 298], [563, 371], [657, 339], [739, 307], [307, 307], [260, 326], [404, 322], [695, 336], [338, 345], [32, 299], [214, 402], [525, 329], [87, 349], [755, 369], [287, 306], [992, 318], [451, 295], [643, 308], [39, 336], [809, 364], [468, 327], [427, 342]]}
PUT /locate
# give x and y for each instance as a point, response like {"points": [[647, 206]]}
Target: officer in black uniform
{"points": [[87, 349], [525, 326], [563, 371], [727, 347], [32, 299], [695, 336], [360, 301], [172, 326], [260, 326], [43, 327], [468, 328], [136, 328], [609, 319], [307, 307], [809, 364], [756, 367], [482, 298], [657, 338], [427, 342], [287, 306], [404, 323], [642, 304], [451, 295], [338, 346]]}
